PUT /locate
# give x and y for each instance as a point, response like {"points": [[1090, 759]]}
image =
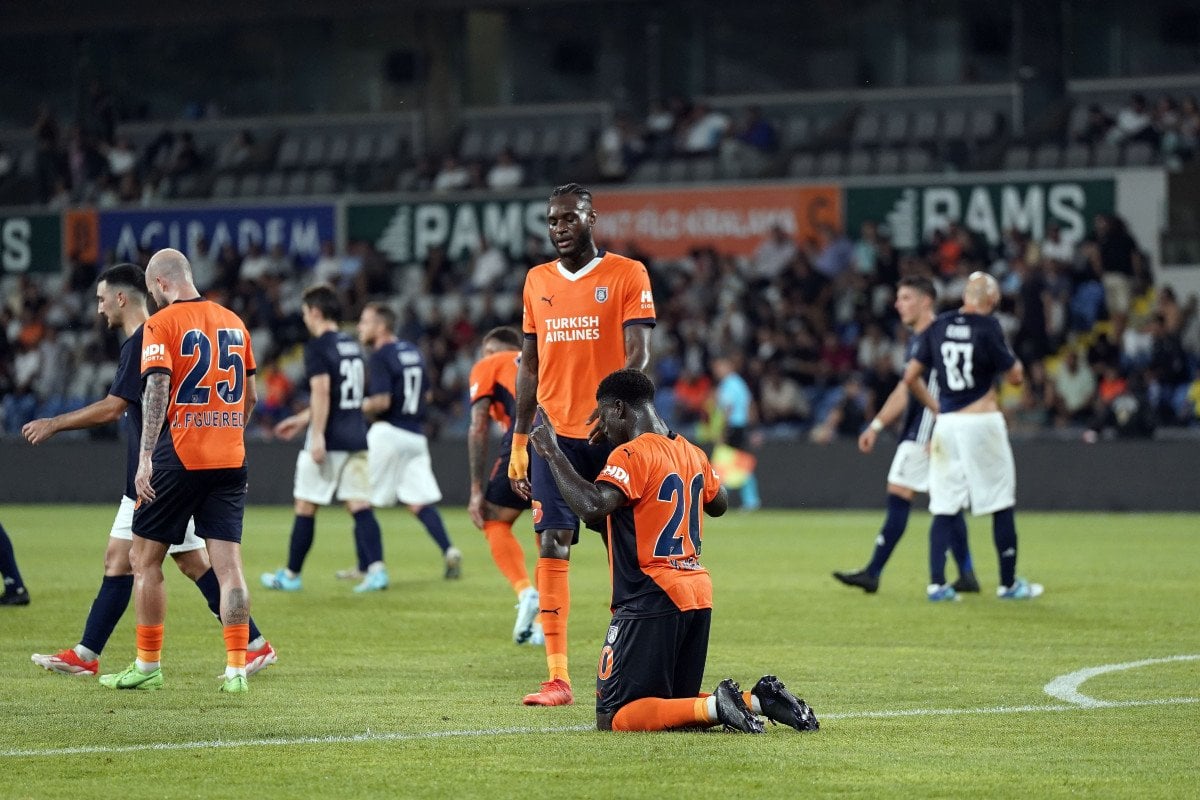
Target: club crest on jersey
{"points": [[601, 294], [613, 630]]}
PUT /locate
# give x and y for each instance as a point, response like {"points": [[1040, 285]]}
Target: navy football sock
{"points": [[894, 524], [959, 545], [432, 521], [368, 538], [8, 562], [110, 603], [210, 587], [1004, 534], [940, 533], [303, 529]]}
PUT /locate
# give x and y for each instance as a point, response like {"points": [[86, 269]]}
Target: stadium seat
{"points": [[272, 185], [339, 150], [551, 140], [954, 125], [250, 185], [867, 130], [1016, 157], [704, 170], [802, 165], [314, 151], [1047, 156], [296, 184], [497, 139], [796, 132], [830, 163], [676, 170], [1105, 155], [895, 127], [389, 148], [225, 186], [924, 127], [576, 140], [984, 125], [364, 149], [649, 171], [471, 146], [1138, 154], [1076, 156], [27, 163], [859, 162], [289, 152], [323, 182], [916, 159], [524, 141], [888, 161]]}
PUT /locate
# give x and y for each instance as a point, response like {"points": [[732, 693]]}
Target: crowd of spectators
{"points": [[809, 324], [1171, 126]]}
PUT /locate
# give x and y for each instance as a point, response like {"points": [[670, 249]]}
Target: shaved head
{"points": [[169, 277], [981, 294]]}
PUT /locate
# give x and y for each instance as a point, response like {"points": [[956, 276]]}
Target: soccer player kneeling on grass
{"points": [[651, 491]]}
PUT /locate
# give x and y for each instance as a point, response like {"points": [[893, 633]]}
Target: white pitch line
{"points": [[1066, 687], [427, 735]]}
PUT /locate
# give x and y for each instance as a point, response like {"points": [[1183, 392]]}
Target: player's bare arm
{"points": [[893, 407], [251, 398], [376, 404], [101, 412], [289, 427], [477, 434], [154, 412], [591, 501], [915, 381], [318, 408], [526, 401], [1016, 374]]}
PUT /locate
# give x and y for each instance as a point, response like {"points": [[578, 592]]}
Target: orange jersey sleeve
{"points": [[655, 541], [206, 351], [495, 377], [579, 321]]}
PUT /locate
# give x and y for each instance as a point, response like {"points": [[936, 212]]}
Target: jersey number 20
{"points": [[958, 358], [353, 379], [671, 540]]}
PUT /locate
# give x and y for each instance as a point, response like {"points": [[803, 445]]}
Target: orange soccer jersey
{"points": [[579, 320], [495, 377], [654, 541], [205, 348]]}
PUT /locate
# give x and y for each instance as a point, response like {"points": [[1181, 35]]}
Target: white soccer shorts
{"points": [[401, 469], [971, 464], [122, 528], [910, 467], [342, 472]]}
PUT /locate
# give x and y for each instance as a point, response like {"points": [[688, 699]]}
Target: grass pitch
{"points": [[415, 692]]}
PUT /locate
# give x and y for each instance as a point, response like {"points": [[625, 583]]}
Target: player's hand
{"points": [[38, 431], [141, 481], [866, 440], [475, 508], [288, 428], [596, 434], [316, 448], [544, 438], [518, 467]]}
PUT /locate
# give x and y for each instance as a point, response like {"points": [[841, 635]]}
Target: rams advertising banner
{"points": [[30, 243], [664, 223], [300, 229], [914, 212]]}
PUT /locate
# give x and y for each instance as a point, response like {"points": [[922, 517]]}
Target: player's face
{"points": [[909, 305], [368, 326], [152, 289], [107, 306], [570, 220], [613, 422]]}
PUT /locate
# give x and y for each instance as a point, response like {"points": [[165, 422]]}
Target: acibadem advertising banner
{"points": [[299, 228], [30, 243], [663, 223], [914, 211]]}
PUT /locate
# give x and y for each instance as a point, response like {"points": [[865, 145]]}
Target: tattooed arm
{"points": [[154, 413]]}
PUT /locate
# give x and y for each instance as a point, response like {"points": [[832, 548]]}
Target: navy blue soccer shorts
{"points": [[652, 657], [499, 488], [550, 510], [215, 498]]}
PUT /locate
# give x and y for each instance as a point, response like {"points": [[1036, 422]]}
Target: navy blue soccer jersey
{"points": [[127, 385], [340, 356], [398, 369], [918, 420], [965, 353]]}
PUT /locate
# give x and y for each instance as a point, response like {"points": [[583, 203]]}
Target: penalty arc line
{"points": [[397, 736]]}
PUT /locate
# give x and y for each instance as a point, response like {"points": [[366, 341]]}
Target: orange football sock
{"points": [[507, 553], [149, 643], [657, 714], [236, 638], [555, 604]]}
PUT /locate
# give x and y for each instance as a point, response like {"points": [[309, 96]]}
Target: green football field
{"points": [[1090, 690]]}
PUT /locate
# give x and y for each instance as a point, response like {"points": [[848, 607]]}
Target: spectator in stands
{"points": [[662, 122], [204, 265], [1134, 123], [1189, 126], [619, 147], [1072, 391], [749, 144], [1116, 261], [122, 158], [1123, 408], [848, 416], [507, 172], [328, 267], [185, 158], [239, 152], [702, 132], [256, 264], [452, 177], [229, 267], [772, 256], [1096, 127], [488, 266], [837, 253], [782, 403], [1170, 373], [98, 114]]}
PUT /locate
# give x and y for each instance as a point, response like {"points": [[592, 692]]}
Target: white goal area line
{"points": [[1064, 687]]}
